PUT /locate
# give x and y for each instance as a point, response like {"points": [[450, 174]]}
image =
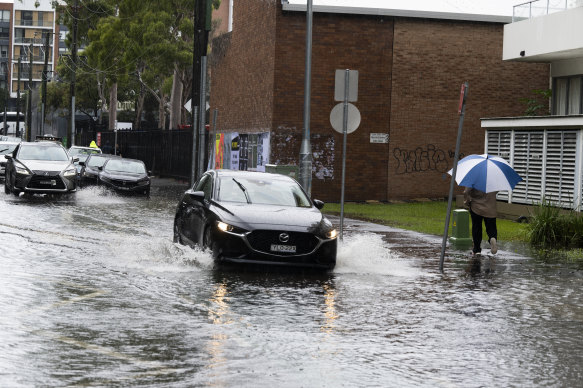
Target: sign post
{"points": [[349, 122], [461, 112]]}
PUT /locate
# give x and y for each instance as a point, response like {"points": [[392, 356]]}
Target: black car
{"points": [[40, 167], [255, 218], [125, 176], [90, 168]]}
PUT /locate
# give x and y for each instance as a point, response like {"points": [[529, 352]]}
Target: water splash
{"points": [[368, 253]]}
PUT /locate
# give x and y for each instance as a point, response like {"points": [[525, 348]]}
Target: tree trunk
{"points": [[112, 106], [176, 99], [162, 111], [140, 107]]}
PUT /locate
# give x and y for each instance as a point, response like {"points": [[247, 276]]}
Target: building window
{"points": [[5, 16], [4, 32], [567, 95], [26, 18]]}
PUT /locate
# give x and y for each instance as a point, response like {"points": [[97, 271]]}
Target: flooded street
{"points": [[93, 292]]}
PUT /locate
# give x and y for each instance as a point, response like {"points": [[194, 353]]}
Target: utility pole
{"points": [[71, 132], [29, 100], [306, 148], [202, 23], [17, 130], [44, 84]]}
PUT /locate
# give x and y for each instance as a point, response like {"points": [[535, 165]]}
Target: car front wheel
{"points": [[6, 188], [207, 240], [177, 238]]}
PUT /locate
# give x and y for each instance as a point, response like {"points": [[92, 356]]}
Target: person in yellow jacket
{"points": [[93, 144], [482, 208]]}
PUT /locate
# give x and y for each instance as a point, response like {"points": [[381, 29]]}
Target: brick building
{"points": [[411, 66]]}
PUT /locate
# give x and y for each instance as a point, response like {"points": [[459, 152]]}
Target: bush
{"points": [[552, 228]]}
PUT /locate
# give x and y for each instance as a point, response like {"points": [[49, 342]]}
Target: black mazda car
{"points": [[255, 218], [125, 176]]}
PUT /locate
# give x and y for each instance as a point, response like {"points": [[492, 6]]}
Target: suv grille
{"points": [[261, 240], [46, 182]]}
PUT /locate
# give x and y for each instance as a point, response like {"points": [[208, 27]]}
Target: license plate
{"points": [[51, 182], [283, 248]]}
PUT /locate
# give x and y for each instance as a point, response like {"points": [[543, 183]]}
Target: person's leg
{"points": [[492, 233], [476, 232]]}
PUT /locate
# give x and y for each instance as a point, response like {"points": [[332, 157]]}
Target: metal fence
{"points": [[536, 8], [165, 152]]}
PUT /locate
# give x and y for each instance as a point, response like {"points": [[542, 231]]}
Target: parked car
{"points": [[125, 176], [39, 167], [255, 218], [90, 169], [6, 147], [82, 153]]}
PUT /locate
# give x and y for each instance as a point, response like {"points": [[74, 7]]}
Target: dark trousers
{"points": [[491, 230]]}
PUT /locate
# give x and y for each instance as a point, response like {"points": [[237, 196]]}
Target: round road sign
{"points": [[337, 118]]}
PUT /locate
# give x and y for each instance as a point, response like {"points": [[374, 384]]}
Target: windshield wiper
{"points": [[243, 189], [4, 149]]}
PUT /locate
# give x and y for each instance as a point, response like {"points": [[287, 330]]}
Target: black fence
{"points": [[165, 152]]}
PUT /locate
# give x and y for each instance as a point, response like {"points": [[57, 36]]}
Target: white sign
{"points": [[379, 138], [340, 85], [337, 118]]}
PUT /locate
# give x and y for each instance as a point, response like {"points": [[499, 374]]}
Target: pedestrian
{"points": [[482, 208]]}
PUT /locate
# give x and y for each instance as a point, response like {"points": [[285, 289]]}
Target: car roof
{"points": [[9, 142], [128, 160], [41, 144], [251, 174]]}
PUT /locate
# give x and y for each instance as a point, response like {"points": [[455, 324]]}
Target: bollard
{"points": [[460, 230]]}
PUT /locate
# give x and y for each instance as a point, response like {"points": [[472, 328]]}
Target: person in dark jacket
{"points": [[482, 209]]}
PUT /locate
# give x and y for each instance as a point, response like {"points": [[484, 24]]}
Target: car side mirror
{"points": [[319, 204], [75, 160], [149, 172], [7, 157], [81, 163], [100, 168], [197, 196]]}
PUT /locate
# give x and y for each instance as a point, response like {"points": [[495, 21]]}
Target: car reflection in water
{"points": [[125, 176], [255, 218]]}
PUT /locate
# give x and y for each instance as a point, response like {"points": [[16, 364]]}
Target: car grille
{"points": [[36, 182], [261, 240], [122, 183], [46, 173]]}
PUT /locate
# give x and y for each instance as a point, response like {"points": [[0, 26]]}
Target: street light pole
{"points": [[17, 130], [71, 134], [29, 100], [306, 148], [44, 86]]}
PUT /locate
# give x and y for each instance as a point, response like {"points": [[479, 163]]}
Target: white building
{"points": [[547, 151]]}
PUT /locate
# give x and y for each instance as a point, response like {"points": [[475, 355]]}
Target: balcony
{"points": [[33, 23], [553, 36]]}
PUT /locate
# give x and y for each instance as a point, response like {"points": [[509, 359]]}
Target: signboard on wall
{"points": [[379, 138]]}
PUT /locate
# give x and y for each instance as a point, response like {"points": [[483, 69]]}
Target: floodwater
{"points": [[93, 292]]}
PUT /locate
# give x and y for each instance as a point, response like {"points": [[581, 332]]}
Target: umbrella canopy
{"points": [[486, 173]]}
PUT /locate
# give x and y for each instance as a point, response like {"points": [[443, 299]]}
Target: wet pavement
{"points": [[93, 292]]}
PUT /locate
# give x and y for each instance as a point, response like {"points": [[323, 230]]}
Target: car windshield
{"points": [[262, 191], [96, 161], [83, 151], [7, 148], [125, 166], [39, 152]]}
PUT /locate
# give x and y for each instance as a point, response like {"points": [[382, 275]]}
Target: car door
{"points": [[195, 211]]}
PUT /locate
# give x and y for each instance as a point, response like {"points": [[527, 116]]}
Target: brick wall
{"points": [[410, 73], [242, 69], [432, 59]]}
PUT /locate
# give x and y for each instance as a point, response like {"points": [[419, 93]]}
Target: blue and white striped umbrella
{"points": [[486, 173]]}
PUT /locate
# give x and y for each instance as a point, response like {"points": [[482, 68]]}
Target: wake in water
{"points": [[368, 253]]}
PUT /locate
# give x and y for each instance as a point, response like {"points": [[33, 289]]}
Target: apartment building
{"points": [[546, 150]]}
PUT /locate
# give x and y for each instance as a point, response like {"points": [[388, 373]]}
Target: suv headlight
{"points": [[70, 172], [20, 169], [144, 182]]}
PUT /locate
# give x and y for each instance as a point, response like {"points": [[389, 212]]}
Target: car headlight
{"points": [[70, 172], [21, 170], [224, 227], [144, 182], [331, 234]]}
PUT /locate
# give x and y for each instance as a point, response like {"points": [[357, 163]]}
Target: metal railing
{"points": [[33, 23], [536, 8]]}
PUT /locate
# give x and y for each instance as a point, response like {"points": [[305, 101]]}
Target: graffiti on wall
{"points": [[427, 158], [323, 157]]}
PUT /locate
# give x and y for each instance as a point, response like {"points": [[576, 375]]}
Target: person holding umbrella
{"points": [[482, 209], [483, 176]]}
